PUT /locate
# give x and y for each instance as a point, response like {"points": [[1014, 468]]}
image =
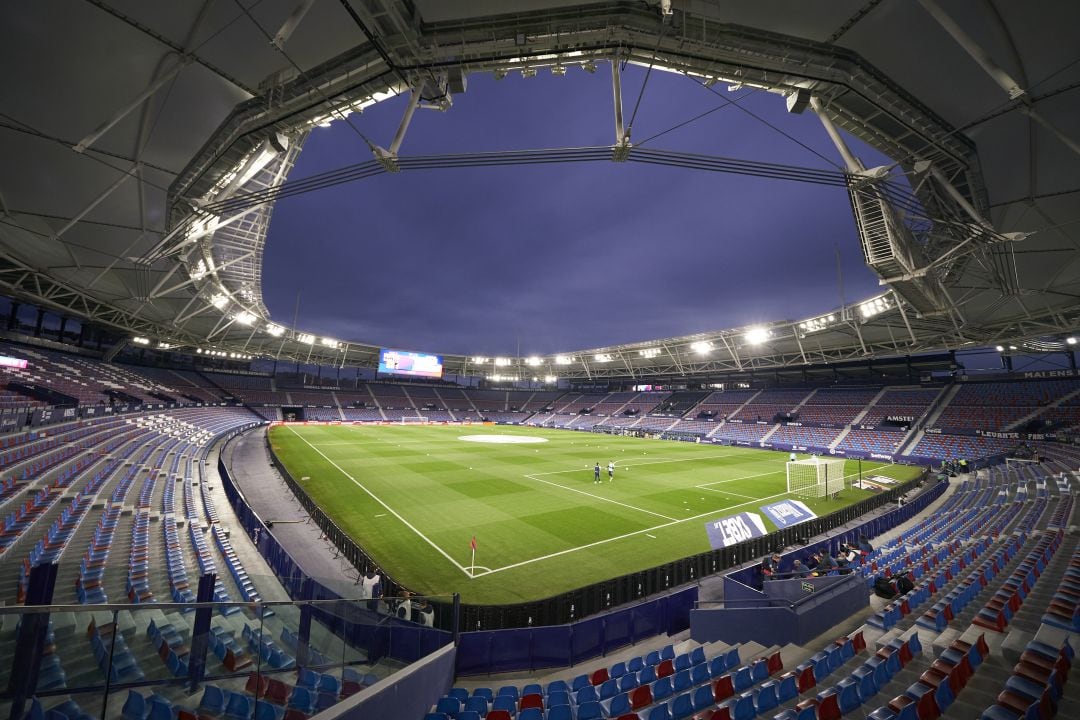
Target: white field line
{"points": [[645, 531], [567, 551], [705, 486], [727, 492], [656, 461], [598, 497], [389, 509]]}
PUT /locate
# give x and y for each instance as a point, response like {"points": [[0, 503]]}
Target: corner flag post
{"points": [[472, 544]]}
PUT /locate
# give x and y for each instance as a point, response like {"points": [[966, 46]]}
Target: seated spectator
{"points": [[849, 554], [826, 563], [770, 566], [798, 570], [864, 545], [426, 614]]}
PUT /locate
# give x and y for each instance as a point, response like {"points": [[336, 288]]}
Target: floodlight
{"points": [[199, 350], [528, 72], [558, 71], [999, 348], [649, 352], [275, 330], [306, 338], [330, 342], [550, 378], [563, 359], [602, 357], [140, 340], [165, 346], [199, 271], [757, 335], [219, 300], [589, 66], [534, 361], [701, 347], [1012, 347], [244, 317], [1070, 340], [502, 362], [478, 360]]}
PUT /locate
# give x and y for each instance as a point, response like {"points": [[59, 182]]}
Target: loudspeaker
{"points": [[798, 101]]}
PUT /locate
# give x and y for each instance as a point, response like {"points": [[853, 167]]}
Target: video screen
{"points": [[6, 361], [413, 364]]}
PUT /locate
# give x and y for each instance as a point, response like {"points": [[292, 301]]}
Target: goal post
{"points": [[815, 477], [413, 420]]}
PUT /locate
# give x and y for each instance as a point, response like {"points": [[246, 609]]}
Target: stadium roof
{"points": [[145, 144]]}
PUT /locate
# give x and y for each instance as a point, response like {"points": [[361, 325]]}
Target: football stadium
{"points": [[539, 360]]}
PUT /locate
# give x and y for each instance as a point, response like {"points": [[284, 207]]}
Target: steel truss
{"points": [[210, 258]]}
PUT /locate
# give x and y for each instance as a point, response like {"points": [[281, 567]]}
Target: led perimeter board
{"points": [[411, 364]]}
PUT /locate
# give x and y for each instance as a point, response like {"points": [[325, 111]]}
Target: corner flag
{"points": [[472, 543]]}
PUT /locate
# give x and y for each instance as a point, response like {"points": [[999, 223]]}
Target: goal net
{"points": [[815, 477], [413, 420]]}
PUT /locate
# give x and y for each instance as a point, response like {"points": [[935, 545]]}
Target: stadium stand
{"points": [[769, 403], [810, 437], [837, 406], [132, 507], [721, 404], [872, 441], [900, 402], [742, 432]]}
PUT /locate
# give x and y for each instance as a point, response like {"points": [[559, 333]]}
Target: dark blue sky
{"points": [[564, 257]]}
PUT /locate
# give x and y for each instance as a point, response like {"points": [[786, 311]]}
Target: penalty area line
{"points": [[645, 531], [389, 509], [598, 497], [726, 492]]}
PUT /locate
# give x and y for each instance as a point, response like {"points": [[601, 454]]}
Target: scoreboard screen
{"points": [[412, 364]]}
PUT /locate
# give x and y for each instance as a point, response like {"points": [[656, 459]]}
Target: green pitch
{"points": [[414, 496]]}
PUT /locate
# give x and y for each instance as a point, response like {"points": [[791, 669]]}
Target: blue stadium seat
{"points": [[661, 689], [134, 706], [628, 682], [590, 710], [660, 712], [682, 706], [702, 697], [449, 705], [268, 711], [476, 704], [765, 698], [557, 686], [560, 712], [213, 701], [849, 699], [619, 704]]}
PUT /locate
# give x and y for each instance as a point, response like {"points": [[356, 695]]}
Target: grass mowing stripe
{"points": [[598, 497], [452, 490], [377, 499]]}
